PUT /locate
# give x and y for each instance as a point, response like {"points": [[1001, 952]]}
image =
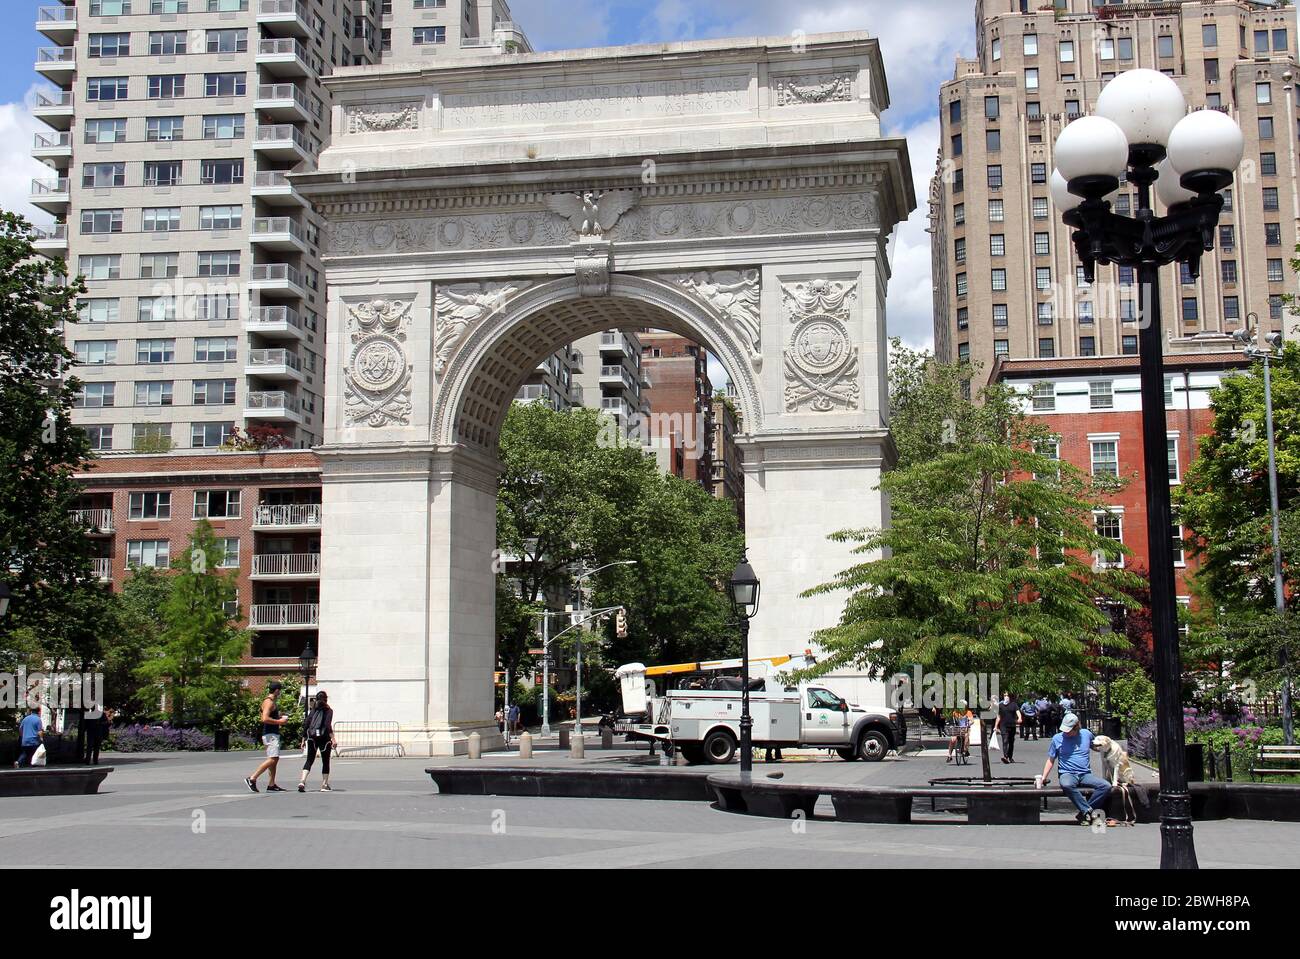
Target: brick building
{"points": [[140, 510], [1094, 407], [681, 403]]}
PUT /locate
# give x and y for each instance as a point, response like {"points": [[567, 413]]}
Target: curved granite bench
{"points": [[53, 780], [650, 783]]}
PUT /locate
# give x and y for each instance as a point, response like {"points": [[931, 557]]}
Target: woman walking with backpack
{"points": [[319, 737]]}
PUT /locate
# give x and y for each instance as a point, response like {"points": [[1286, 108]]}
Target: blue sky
{"points": [[919, 39]]}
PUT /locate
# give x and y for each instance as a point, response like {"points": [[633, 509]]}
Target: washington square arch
{"points": [[483, 214]]}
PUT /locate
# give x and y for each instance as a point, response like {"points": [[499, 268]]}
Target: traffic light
{"points": [[620, 623], [499, 679]]}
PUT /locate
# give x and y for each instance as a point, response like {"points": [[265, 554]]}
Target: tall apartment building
{"points": [[172, 126], [1006, 283], [612, 379], [681, 403]]}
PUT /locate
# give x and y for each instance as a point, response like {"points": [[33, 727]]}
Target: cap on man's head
{"points": [[274, 686], [1068, 722]]}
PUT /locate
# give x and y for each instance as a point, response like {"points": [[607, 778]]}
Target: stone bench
{"points": [[576, 783], [52, 780]]}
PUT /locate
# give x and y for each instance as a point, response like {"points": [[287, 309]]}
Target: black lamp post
{"points": [[1143, 130], [743, 590], [306, 663]]}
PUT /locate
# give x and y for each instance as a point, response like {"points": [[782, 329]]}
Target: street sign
{"points": [[537, 652]]}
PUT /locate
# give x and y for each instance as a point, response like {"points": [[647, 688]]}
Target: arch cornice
{"points": [[714, 331]]}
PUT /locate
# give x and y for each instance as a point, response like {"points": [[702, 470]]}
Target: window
{"points": [[1031, 79], [1038, 172], [167, 87], [1185, 274], [1268, 164], [159, 266], [225, 84], [1129, 345], [1279, 40], [1266, 128], [216, 504], [1227, 238], [222, 171], [1081, 278], [997, 244], [217, 306], [997, 211], [1180, 558], [963, 352], [954, 111], [1263, 93], [959, 250], [227, 41], [999, 316], [961, 284], [1209, 35], [167, 43], [1072, 108], [94, 396], [963, 318], [1169, 392], [1087, 346], [956, 145], [221, 217], [151, 435], [959, 214], [958, 180], [993, 141], [214, 392], [151, 506], [227, 6], [157, 309], [103, 266], [999, 280], [1191, 309], [161, 219], [1001, 348], [997, 49], [1274, 306], [991, 108], [223, 127], [209, 435], [1031, 44], [1270, 198], [1033, 108], [428, 4], [1040, 208], [230, 552], [100, 176], [100, 437], [1261, 41], [155, 351], [1105, 457], [1275, 271], [219, 263], [1228, 271], [1084, 313], [110, 45], [214, 349], [106, 88], [995, 176], [1045, 315], [169, 6], [1171, 444], [96, 352], [104, 131], [1231, 308], [1125, 48], [154, 393], [148, 552], [1165, 45], [162, 173], [1101, 395], [101, 221], [1047, 347], [1044, 397], [160, 129], [1042, 244], [421, 36], [1066, 48], [110, 8], [1110, 526], [1107, 48], [1273, 234], [1043, 278]]}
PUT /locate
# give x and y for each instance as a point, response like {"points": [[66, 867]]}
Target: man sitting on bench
{"points": [[1071, 750]]}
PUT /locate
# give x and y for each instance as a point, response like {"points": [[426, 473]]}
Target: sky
{"points": [[919, 39]]}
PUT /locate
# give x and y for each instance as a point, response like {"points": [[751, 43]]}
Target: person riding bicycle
{"points": [[960, 720]]}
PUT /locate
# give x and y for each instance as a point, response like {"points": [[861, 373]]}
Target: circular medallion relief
{"points": [[820, 344], [378, 364]]}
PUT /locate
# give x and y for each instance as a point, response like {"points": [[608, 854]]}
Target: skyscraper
{"points": [[1005, 279]]}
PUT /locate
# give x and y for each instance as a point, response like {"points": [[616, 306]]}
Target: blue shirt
{"points": [[1072, 753], [30, 728], [1067, 704], [1029, 708]]}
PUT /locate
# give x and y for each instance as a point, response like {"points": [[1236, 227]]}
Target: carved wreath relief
{"points": [[796, 90], [377, 377], [383, 118], [460, 306], [821, 362]]}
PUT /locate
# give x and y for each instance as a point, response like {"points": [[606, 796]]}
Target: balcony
{"points": [[276, 322], [281, 233], [616, 342], [616, 376], [287, 566], [276, 278], [57, 64], [276, 405], [278, 364], [53, 146], [102, 568], [55, 110], [304, 516], [576, 360], [51, 240], [274, 188], [614, 406], [96, 521], [283, 141], [51, 195], [59, 24], [284, 18], [282, 102], [284, 616], [283, 58]]}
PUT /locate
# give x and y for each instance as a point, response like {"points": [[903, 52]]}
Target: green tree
{"points": [[199, 640], [140, 629]]}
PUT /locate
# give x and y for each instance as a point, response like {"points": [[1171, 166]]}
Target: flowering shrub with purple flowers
{"points": [[1217, 734], [164, 738]]}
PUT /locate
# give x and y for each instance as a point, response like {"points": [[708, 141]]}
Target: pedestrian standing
{"points": [[96, 732], [1044, 715], [514, 718], [1029, 714], [319, 738], [31, 733], [271, 724], [1008, 719]]}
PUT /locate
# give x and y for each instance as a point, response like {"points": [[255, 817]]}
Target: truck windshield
{"points": [[823, 699]]}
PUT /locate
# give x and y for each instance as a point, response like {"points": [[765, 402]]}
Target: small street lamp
{"points": [[306, 663], [577, 715], [4, 599], [1143, 132], [1272, 342], [743, 588]]}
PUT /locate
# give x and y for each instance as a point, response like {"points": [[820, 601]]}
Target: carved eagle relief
{"points": [[589, 214]]}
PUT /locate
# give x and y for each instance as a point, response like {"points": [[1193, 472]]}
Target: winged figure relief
{"points": [[590, 214]]}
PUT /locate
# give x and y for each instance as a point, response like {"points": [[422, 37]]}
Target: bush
{"points": [[1133, 695], [157, 739]]}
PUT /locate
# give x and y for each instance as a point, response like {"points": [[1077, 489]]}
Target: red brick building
{"points": [[1094, 407], [140, 510], [681, 404]]}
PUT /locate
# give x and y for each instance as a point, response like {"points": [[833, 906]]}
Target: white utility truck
{"points": [[698, 711]]}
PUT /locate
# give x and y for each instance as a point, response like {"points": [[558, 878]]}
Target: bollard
{"points": [[475, 745], [606, 738], [564, 739], [526, 746], [577, 748]]}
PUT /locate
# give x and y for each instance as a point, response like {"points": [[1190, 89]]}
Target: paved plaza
{"points": [[191, 810]]}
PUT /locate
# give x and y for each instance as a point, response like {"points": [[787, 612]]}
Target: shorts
{"points": [[272, 743]]}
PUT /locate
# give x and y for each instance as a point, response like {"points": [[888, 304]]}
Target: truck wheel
{"points": [[873, 746], [719, 747], [848, 755], [692, 754]]}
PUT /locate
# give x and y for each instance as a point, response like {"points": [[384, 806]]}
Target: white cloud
{"points": [[18, 129], [911, 304]]}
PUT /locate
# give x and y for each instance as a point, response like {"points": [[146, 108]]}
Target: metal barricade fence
{"points": [[368, 740]]}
